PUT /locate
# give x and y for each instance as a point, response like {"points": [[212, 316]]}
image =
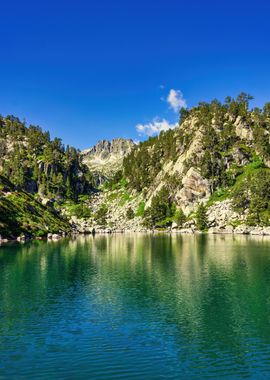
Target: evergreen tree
{"points": [[130, 213], [69, 192], [180, 217], [201, 217]]}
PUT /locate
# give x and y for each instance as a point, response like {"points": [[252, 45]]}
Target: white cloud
{"points": [[176, 100], [154, 127]]}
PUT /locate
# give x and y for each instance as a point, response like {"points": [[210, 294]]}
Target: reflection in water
{"points": [[133, 306]]}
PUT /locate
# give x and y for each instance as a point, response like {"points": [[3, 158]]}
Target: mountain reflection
{"points": [[209, 296]]}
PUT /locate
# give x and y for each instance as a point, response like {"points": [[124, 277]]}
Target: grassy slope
{"points": [[250, 169], [21, 213]]}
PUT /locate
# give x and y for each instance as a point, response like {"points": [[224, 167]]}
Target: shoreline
{"points": [[240, 230]]}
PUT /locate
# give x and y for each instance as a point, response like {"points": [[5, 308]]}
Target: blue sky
{"points": [[87, 70]]}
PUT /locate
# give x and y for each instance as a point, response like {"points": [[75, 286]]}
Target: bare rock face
{"points": [[243, 130], [221, 214], [240, 157], [116, 146], [106, 157], [195, 190]]}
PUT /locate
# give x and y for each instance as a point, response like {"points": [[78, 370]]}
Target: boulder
{"points": [[221, 214], [242, 229], [256, 231], [243, 130], [196, 189], [56, 236], [21, 238], [218, 230], [266, 231], [174, 225]]}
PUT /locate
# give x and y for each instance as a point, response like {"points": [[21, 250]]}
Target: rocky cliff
{"points": [[219, 151], [106, 157]]}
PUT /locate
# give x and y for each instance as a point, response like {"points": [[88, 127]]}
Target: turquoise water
{"points": [[136, 307]]}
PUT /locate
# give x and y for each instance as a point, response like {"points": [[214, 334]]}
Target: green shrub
{"points": [[201, 217], [101, 214], [80, 210], [130, 213], [252, 193], [140, 210], [179, 217], [160, 210]]}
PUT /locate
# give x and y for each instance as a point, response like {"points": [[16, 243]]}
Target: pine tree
{"points": [[130, 213], [201, 217], [180, 217], [69, 192]]}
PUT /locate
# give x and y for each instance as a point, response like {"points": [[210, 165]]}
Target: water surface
{"points": [[136, 307]]}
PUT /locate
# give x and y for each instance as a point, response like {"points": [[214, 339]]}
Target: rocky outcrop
{"points": [[195, 190], [241, 230], [217, 230], [221, 214], [243, 130], [104, 148], [222, 219], [106, 157]]}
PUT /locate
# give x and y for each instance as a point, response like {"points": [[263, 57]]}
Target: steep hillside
{"points": [[38, 175], [21, 213], [218, 151], [37, 164]]}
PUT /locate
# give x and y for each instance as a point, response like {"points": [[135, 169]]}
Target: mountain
{"points": [[212, 172], [38, 176], [106, 157], [30, 159], [219, 156]]}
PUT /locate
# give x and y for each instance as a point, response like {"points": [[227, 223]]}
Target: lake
{"points": [[136, 306]]}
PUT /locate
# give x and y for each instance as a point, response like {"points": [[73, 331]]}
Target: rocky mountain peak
{"points": [[118, 146], [106, 157]]}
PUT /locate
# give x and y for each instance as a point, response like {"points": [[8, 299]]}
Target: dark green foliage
{"points": [[179, 217], [173, 182], [213, 162], [252, 194], [80, 210], [143, 164], [21, 213], [201, 217], [238, 107], [130, 213], [161, 211], [140, 210], [261, 138], [101, 214], [37, 163], [117, 181], [215, 119], [184, 113], [226, 156]]}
